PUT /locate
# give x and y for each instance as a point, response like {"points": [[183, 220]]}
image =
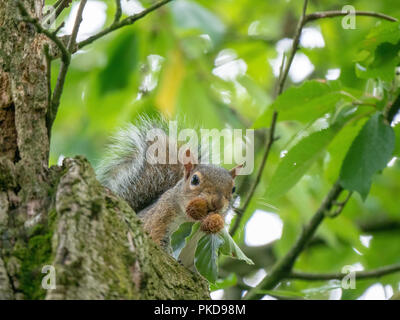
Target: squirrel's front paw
{"points": [[197, 209]]}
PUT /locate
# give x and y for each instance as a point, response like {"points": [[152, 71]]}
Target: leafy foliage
{"points": [[206, 256], [305, 103], [370, 152], [215, 63], [207, 248], [299, 160], [380, 54]]}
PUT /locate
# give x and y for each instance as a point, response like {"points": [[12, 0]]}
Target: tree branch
{"points": [[374, 273], [284, 266], [295, 46], [61, 6], [337, 13], [125, 22], [58, 7], [282, 269], [271, 137], [270, 141], [118, 12], [340, 206]]}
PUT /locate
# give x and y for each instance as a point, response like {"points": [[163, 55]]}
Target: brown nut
{"points": [[212, 224], [197, 209]]}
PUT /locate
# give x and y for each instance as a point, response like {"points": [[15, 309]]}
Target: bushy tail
{"points": [[126, 171]]}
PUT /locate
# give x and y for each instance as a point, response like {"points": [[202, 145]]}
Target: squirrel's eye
{"points": [[195, 180], [233, 189]]}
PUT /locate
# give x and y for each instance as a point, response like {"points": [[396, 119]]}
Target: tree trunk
{"points": [[61, 216]]}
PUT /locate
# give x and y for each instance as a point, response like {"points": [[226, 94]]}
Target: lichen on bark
{"points": [[62, 216], [101, 252]]}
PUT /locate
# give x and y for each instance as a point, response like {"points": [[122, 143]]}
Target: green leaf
{"points": [[206, 256], [191, 15], [305, 103], [230, 248], [228, 282], [384, 64], [361, 287], [203, 249], [186, 254], [369, 153], [298, 160], [384, 32], [397, 147], [380, 53], [178, 238], [255, 91], [122, 63]]}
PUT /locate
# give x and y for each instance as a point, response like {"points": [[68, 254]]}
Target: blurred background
{"points": [[216, 63]]}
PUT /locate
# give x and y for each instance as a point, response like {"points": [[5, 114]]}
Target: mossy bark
{"points": [[61, 216]]}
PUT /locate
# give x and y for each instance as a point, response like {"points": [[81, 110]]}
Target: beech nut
{"points": [[197, 209], [212, 224]]}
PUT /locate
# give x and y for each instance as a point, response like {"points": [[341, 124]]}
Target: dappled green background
{"points": [[211, 62]]}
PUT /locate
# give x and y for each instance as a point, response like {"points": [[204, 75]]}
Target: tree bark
{"points": [[61, 216]]}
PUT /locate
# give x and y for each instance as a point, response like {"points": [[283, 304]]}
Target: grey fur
{"points": [[124, 168]]}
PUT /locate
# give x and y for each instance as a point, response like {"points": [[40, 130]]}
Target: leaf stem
{"points": [[122, 23]]}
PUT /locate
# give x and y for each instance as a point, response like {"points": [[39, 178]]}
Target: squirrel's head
{"points": [[212, 183]]}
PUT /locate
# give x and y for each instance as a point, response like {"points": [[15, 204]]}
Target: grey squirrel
{"points": [[164, 195]]}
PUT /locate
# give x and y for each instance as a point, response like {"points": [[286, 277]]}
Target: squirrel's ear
{"points": [[235, 171], [188, 163]]}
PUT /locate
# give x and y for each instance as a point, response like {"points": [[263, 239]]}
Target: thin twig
{"points": [[59, 28], [48, 79], [64, 68], [284, 266], [118, 12], [125, 22], [271, 137], [374, 273], [280, 73], [340, 206], [55, 5], [270, 141], [295, 46], [61, 6], [337, 13], [77, 24]]}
